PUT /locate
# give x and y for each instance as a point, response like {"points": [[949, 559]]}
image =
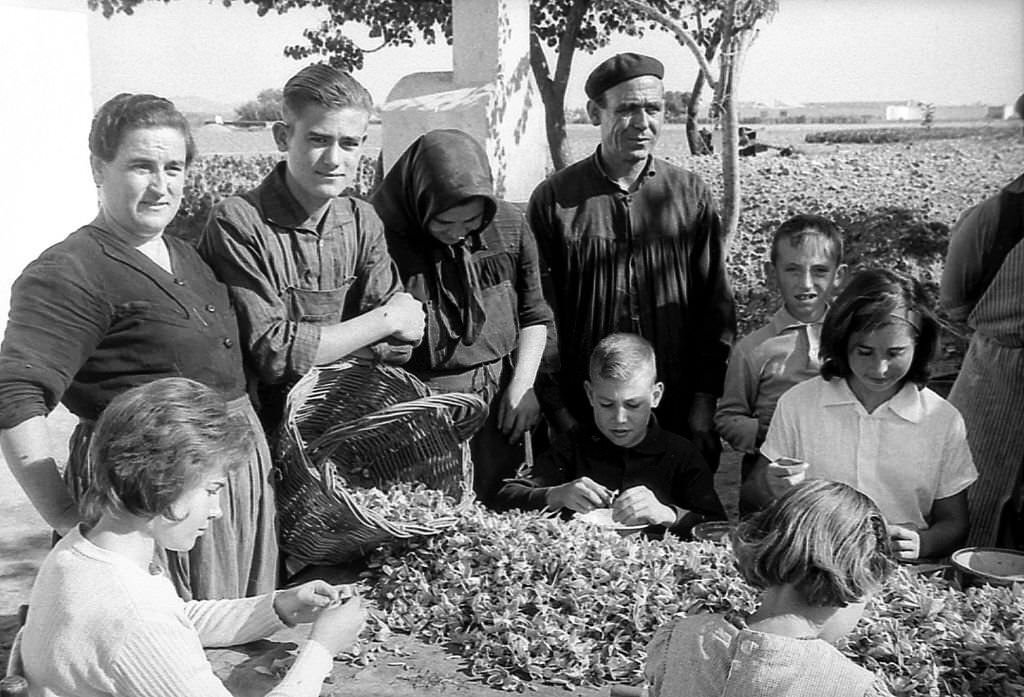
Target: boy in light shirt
{"points": [[807, 267]]}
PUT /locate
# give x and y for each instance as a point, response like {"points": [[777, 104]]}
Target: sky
{"points": [[940, 51]]}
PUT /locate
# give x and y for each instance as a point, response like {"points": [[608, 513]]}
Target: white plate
{"points": [[602, 518]]}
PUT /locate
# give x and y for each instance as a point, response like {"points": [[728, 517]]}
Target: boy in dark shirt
{"points": [[628, 463]]}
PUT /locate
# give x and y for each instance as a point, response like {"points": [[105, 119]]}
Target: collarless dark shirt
{"points": [[649, 261], [667, 464], [93, 317]]}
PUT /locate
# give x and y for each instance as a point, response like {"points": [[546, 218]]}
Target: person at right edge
{"points": [[983, 283], [632, 243]]}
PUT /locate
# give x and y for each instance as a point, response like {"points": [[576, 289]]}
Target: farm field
{"points": [[896, 203]]}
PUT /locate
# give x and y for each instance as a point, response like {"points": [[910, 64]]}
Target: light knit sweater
{"points": [[706, 656], [98, 625]]}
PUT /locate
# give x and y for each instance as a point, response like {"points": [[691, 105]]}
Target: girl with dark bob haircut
{"points": [[817, 553], [105, 618], [872, 299], [869, 420]]}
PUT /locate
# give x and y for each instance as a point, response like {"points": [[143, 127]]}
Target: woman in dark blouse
{"points": [[118, 304], [472, 260]]}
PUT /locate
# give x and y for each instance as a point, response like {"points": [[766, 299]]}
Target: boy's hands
{"points": [[338, 626], [638, 505], [582, 495], [404, 315], [304, 603]]}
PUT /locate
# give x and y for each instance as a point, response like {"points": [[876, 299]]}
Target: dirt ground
{"points": [[412, 668]]}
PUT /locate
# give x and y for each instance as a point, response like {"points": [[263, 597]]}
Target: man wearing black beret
{"points": [[630, 242]]}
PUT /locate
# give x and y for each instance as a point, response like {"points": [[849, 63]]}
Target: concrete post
{"points": [[490, 94]]}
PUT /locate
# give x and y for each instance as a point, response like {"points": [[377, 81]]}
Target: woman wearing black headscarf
{"points": [[472, 260]]}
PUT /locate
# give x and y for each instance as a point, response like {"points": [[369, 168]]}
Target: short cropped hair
{"points": [[154, 442], [825, 538], [799, 227], [872, 299], [622, 356], [129, 112], [324, 86]]}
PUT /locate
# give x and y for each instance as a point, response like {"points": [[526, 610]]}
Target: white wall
{"points": [[45, 112]]}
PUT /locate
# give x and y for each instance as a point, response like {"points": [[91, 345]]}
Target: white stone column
{"points": [[490, 93], [45, 83]]}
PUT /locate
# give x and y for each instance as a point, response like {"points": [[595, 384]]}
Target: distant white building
{"points": [[904, 112]]}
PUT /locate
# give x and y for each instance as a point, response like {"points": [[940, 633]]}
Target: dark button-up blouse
{"points": [[649, 261], [93, 317]]}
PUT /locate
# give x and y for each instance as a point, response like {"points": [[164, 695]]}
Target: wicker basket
{"points": [[359, 424]]}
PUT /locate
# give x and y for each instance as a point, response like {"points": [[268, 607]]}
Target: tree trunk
{"points": [[731, 200], [696, 142], [693, 137], [552, 87], [554, 121]]}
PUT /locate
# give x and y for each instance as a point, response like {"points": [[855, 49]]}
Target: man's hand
{"points": [[701, 421], [905, 539], [404, 316], [518, 411], [582, 495], [638, 505]]}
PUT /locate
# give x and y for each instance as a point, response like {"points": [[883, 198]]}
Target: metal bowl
{"points": [[1000, 567], [712, 531]]}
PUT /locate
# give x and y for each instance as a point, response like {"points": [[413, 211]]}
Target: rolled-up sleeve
{"points": [[533, 308], [377, 278], [279, 347], [56, 321], [736, 418]]}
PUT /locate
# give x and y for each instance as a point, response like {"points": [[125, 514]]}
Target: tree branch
{"points": [[684, 37], [567, 42]]}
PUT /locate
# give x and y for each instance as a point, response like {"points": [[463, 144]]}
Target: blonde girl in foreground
{"points": [[104, 618], [818, 552]]}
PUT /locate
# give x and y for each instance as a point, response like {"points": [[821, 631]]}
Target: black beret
{"points": [[619, 68]]}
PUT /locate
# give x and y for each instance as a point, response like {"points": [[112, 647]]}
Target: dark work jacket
{"points": [[667, 464], [649, 261], [93, 317], [442, 169]]}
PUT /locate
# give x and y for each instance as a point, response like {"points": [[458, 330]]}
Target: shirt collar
{"points": [[648, 171], [783, 320], [652, 444], [279, 206], [906, 404]]}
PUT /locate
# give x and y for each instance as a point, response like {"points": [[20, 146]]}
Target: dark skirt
{"points": [[238, 556]]}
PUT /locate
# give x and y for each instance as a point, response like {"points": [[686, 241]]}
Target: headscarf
{"points": [[440, 170]]}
